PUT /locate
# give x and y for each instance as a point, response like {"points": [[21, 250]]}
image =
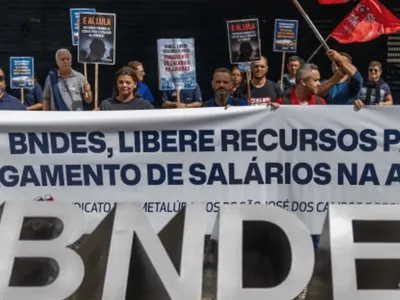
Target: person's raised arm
{"points": [[342, 61], [325, 86]]}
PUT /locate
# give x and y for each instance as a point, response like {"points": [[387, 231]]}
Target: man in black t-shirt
{"points": [[262, 90]]}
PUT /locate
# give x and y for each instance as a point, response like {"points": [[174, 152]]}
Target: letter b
{"points": [[70, 265], [17, 142]]}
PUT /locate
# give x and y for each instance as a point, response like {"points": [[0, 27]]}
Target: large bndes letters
{"points": [[70, 269], [125, 259], [359, 255]]}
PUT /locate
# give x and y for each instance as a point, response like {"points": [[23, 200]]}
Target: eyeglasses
{"points": [[373, 70], [2, 77]]}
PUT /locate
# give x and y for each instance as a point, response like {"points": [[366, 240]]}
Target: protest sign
{"points": [[244, 41], [176, 64], [97, 38], [285, 35], [74, 16], [244, 67], [297, 158], [22, 73]]}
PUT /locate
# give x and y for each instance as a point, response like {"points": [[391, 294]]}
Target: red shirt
{"points": [[295, 101]]}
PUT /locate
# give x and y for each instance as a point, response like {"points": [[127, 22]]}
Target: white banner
{"points": [[299, 158]]}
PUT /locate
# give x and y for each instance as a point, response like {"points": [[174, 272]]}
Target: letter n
{"points": [[144, 265]]}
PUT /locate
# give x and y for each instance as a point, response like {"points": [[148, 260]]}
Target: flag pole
{"points": [[316, 51], [310, 23]]}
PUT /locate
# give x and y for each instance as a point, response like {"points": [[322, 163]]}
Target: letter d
{"points": [[70, 265], [230, 273], [153, 179]]}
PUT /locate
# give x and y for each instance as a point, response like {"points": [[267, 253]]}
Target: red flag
{"points": [[332, 1], [366, 22]]}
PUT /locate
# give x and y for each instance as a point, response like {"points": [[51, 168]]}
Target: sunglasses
{"points": [[2, 77], [373, 70]]}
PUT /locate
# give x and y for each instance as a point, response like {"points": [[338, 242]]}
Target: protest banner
{"points": [[176, 65], [97, 39], [285, 39], [244, 41], [298, 158], [74, 16], [22, 74]]}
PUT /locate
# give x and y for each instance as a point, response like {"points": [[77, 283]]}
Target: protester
{"points": [[33, 98], [143, 89], [127, 96], [376, 91], [65, 89], [237, 80], [262, 90], [346, 83], [222, 86], [306, 89], [289, 79], [8, 102], [188, 98]]}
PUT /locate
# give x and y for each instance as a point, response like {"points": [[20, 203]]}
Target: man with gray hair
{"points": [[65, 89], [306, 89]]}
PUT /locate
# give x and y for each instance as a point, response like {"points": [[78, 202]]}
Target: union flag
{"points": [[333, 1], [366, 22]]}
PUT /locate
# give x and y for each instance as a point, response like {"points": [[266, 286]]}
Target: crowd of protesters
{"points": [[66, 89]]}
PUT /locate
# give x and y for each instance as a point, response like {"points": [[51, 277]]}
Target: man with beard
{"points": [[262, 90], [306, 89], [8, 102], [222, 85]]}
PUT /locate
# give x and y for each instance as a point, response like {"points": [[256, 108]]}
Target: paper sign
{"points": [[176, 64], [244, 41], [285, 35], [22, 73], [97, 38], [74, 16]]}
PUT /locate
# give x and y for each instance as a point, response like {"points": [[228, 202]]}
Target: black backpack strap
{"points": [[286, 99], [317, 100], [286, 83]]}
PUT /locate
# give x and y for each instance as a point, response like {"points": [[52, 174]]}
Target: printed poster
{"points": [[176, 64], [97, 38], [22, 73], [74, 16], [244, 41], [285, 35], [244, 67]]}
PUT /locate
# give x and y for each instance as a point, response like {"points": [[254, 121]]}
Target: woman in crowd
{"points": [[126, 96], [237, 80]]}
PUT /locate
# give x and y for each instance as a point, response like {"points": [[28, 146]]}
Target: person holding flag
{"points": [[346, 83]]}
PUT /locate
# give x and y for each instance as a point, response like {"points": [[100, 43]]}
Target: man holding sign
{"points": [[262, 90], [65, 89]]}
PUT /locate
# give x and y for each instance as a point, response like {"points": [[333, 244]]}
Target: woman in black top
{"points": [[126, 97]]}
